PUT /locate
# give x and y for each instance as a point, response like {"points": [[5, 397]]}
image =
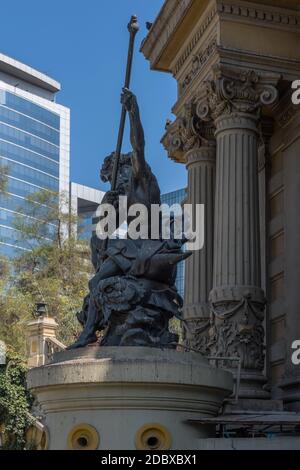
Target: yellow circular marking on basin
{"points": [[83, 437], [153, 436]]}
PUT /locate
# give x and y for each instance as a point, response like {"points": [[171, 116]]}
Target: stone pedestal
{"points": [[127, 398], [38, 332]]}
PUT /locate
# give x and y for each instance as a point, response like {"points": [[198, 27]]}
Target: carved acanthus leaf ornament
{"points": [[187, 132], [231, 92]]}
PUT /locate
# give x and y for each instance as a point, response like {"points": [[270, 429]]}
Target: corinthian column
{"points": [[191, 141], [237, 300], [201, 166]]}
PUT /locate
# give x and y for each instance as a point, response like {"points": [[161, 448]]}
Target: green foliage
{"points": [[47, 219], [55, 271], [3, 179], [15, 308], [58, 276], [15, 402]]}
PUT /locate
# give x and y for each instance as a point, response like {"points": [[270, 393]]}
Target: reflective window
{"points": [[20, 188], [17, 204], [176, 197], [29, 125], [7, 218], [180, 278], [29, 175], [26, 140], [22, 155], [9, 251], [29, 148], [85, 225], [12, 237], [27, 107]]}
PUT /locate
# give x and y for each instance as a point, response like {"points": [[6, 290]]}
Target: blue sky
{"points": [[83, 44]]}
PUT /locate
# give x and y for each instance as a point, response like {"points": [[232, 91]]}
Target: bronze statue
{"points": [[133, 294]]}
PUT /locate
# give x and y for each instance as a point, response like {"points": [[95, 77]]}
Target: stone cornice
{"points": [[166, 23], [250, 12], [173, 13], [269, 16]]}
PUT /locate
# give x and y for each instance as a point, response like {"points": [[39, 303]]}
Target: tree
{"points": [[3, 179], [15, 402], [55, 269], [47, 219], [15, 308], [58, 276]]}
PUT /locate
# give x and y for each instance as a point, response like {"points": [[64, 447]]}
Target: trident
{"points": [[133, 28]]}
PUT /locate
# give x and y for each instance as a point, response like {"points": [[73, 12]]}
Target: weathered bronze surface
{"points": [[133, 294]]}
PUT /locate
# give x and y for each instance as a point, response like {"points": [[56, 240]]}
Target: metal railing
{"points": [[52, 346]]}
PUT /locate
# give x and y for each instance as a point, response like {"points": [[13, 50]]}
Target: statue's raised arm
{"points": [[137, 138]]}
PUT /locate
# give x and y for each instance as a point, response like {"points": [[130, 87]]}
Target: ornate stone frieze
{"points": [[207, 20], [232, 92], [199, 60]]}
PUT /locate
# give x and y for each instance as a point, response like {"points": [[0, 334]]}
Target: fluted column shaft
{"points": [[201, 166], [237, 247], [237, 300]]}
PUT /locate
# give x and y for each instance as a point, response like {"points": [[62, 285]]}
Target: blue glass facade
{"points": [[85, 224], [176, 197], [29, 153]]}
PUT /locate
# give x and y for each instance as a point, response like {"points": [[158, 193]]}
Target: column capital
{"points": [[188, 133], [200, 155], [236, 94]]}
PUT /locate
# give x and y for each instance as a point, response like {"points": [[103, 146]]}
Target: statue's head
{"points": [[124, 170]]}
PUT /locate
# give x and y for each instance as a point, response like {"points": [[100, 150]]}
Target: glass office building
{"points": [[84, 203], [176, 197], [34, 145]]}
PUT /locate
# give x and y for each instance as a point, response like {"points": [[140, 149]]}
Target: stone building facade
{"points": [[238, 134]]}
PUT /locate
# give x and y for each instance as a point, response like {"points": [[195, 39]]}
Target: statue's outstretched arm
{"points": [[136, 132]]}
